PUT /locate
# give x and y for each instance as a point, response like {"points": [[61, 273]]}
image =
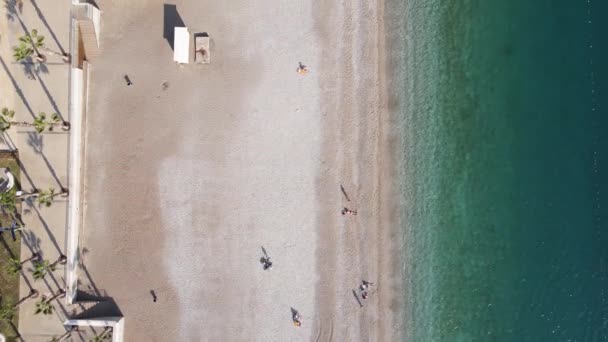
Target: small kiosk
{"points": [[181, 45]]}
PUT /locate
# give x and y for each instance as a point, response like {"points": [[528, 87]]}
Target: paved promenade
{"points": [[29, 89]]}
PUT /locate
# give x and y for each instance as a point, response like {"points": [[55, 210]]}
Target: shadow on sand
{"points": [[171, 20]]}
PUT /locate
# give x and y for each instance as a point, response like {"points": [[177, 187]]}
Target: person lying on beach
{"points": [[348, 211]]}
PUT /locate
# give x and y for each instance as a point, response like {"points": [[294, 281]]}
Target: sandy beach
{"points": [[193, 169]]}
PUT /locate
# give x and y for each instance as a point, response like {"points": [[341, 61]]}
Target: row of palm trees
{"points": [[41, 122], [8, 199], [45, 305], [31, 45], [40, 270]]}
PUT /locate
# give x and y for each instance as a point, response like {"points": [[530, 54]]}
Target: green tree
{"points": [[44, 307], [31, 44], [46, 197], [6, 119], [15, 265], [22, 51], [41, 268], [8, 200], [7, 311], [41, 123]]}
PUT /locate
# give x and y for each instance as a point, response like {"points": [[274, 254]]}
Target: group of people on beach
{"points": [[363, 287]]}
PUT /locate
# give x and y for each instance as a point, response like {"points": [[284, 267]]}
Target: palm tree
{"points": [[44, 307], [7, 311], [6, 120], [23, 51], [8, 200], [15, 265], [30, 44], [46, 197], [40, 121], [41, 268]]}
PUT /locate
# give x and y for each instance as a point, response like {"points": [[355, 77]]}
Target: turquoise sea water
{"points": [[506, 168]]}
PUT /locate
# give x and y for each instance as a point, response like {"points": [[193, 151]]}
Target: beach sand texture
{"points": [[193, 168]]}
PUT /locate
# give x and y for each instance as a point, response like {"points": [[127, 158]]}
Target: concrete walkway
{"points": [[31, 89]]}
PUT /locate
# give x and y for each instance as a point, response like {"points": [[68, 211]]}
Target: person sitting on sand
{"points": [[302, 68], [296, 319], [365, 284]]}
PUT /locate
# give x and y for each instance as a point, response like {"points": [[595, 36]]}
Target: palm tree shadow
{"points": [[49, 233], [31, 68], [36, 141], [47, 92], [16, 86], [12, 7], [43, 19], [31, 241]]}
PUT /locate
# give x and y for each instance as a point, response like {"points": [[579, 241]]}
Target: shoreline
{"points": [[363, 154]]}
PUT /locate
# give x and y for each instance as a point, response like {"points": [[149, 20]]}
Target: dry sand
{"points": [[185, 185]]}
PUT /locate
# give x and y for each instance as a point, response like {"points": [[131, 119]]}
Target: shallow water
{"points": [[505, 169]]}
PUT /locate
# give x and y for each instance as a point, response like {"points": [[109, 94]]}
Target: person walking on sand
{"points": [[153, 293]]}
